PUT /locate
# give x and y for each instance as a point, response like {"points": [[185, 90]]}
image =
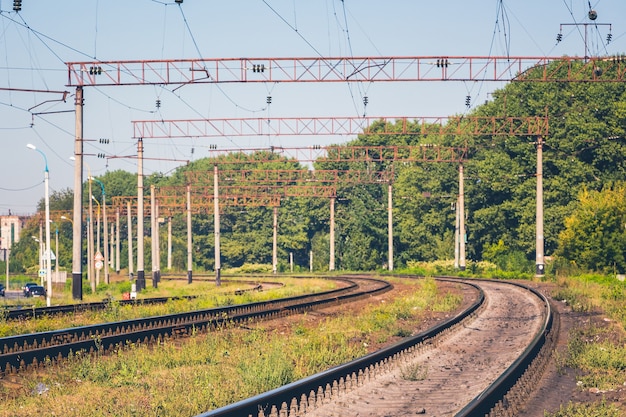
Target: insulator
{"points": [[269, 100], [213, 146], [559, 37], [446, 63], [609, 38], [597, 71], [104, 141], [178, 1], [17, 5], [101, 155], [438, 63], [258, 67], [365, 100], [593, 15], [158, 104], [468, 100]]}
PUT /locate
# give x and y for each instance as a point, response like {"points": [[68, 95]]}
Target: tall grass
{"points": [[202, 372]]}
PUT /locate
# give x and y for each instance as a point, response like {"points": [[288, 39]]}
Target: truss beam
{"points": [[318, 126], [281, 176], [342, 69]]}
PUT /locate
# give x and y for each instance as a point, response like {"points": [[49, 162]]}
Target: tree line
{"points": [[584, 181]]}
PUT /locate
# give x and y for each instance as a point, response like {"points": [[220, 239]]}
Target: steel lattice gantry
{"points": [[315, 126], [342, 69]]}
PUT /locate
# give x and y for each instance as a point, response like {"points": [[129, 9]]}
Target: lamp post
{"points": [[47, 204], [105, 244], [97, 239]]}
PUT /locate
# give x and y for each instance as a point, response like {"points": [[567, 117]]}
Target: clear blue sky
{"points": [[36, 42]]}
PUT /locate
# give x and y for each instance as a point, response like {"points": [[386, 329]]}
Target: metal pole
{"points": [[141, 280], [331, 266], [540, 266], [189, 240], [216, 217], [77, 223]]}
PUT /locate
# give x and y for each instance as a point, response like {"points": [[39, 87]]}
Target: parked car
{"points": [[2, 290], [26, 287], [36, 290]]}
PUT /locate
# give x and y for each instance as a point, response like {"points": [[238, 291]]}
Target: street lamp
{"points": [[104, 229], [97, 238], [47, 205]]}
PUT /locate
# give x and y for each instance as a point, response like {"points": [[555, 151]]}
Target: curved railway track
{"points": [[29, 350], [23, 312], [481, 362]]}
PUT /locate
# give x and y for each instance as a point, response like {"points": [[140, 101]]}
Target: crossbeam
{"points": [[418, 153], [280, 176], [343, 69], [317, 126]]}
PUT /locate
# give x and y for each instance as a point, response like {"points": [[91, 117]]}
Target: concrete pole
{"points": [[189, 240], [117, 241], [112, 245], [42, 264], [275, 243], [157, 243], [153, 231], [48, 247], [456, 234], [540, 265], [97, 241], [90, 253], [390, 225], [77, 223], [129, 216], [216, 217], [461, 220], [169, 243], [105, 237], [56, 249], [331, 266], [311, 261], [141, 279]]}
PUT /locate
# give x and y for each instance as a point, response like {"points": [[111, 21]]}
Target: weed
{"points": [[414, 372], [599, 409]]}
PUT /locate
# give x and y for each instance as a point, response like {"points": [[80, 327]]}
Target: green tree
{"points": [[594, 237]]}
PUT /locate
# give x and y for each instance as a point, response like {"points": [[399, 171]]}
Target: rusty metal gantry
{"points": [[345, 69], [316, 126]]}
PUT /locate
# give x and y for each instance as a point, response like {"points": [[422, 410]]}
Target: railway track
{"points": [[32, 350], [481, 362], [23, 312]]}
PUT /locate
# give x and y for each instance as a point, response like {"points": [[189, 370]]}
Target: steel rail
{"points": [[17, 352], [292, 396]]}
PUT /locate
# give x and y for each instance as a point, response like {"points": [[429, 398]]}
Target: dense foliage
{"points": [[584, 173]]}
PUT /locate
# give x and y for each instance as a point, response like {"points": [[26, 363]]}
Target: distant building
{"points": [[10, 230]]}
